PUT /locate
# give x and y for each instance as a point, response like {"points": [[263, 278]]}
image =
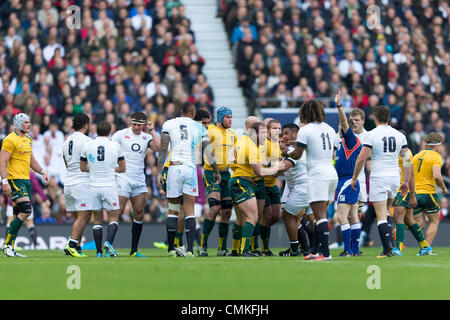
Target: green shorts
{"points": [[400, 201], [164, 174], [273, 195], [223, 188], [428, 203], [20, 188], [241, 190], [260, 190]]}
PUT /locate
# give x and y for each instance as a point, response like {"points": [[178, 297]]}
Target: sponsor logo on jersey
{"points": [[83, 205], [127, 137]]}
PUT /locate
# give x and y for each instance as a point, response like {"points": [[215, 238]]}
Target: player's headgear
{"points": [[139, 118], [19, 119], [222, 113]]}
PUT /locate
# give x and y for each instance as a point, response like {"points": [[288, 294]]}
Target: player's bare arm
{"points": [[38, 169], [405, 155], [365, 153], [265, 171], [162, 157], [84, 166], [284, 166], [155, 144], [437, 177], [208, 150], [122, 166], [342, 117], [412, 187], [4, 158]]}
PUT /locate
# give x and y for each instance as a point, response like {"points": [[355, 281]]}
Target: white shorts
{"points": [[104, 198], [198, 210], [321, 190], [9, 212], [130, 190], [362, 197], [181, 179], [77, 198], [295, 200], [383, 188]]}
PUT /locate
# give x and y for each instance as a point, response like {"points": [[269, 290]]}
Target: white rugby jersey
{"points": [[134, 148], [186, 136], [102, 155], [319, 140], [362, 137], [72, 148], [297, 174], [386, 144]]}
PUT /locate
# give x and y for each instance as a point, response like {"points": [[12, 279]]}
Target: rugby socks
{"points": [[111, 232], [223, 235], [171, 227], [208, 225], [237, 236], [136, 230], [356, 235], [33, 235], [247, 232], [347, 237], [310, 231], [178, 241], [385, 232], [389, 221], [401, 228], [198, 234], [190, 233], [293, 245], [265, 237], [254, 238], [73, 243], [302, 238], [418, 234], [13, 230], [98, 234], [322, 233]]}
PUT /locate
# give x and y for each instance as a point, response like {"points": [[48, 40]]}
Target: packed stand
{"points": [[127, 56], [302, 50]]}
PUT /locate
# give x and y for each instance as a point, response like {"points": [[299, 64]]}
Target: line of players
{"points": [[304, 155]]}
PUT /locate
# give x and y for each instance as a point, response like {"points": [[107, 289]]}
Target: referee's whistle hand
{"points": [[353, 184]]}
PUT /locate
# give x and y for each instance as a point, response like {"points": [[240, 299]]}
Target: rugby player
{"points": [[134, 143], [427, 172], [185, 137], [223, 141], [318, 139], [76, 193], [16, 159], [346, 197], [384, 144], [102, 158], [247, 167], [295, 196]]}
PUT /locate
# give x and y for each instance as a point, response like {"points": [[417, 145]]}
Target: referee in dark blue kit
{"points": [[347, 198]]}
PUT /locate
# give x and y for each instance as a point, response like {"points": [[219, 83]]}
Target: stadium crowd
{"points": [[141, 55], [127, 56]]}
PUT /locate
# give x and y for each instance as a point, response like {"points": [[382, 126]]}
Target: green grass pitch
{"points": [[43, 275]]}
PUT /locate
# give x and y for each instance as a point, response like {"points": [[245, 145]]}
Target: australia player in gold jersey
{"points": [[272, 208], [247, 167], [427, 172], [403, 212], [223, 141], [16, 159]]}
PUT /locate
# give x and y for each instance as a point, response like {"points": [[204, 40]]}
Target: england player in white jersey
{"points": [[319, 139], [134, 143], [186, 137], [295, 197], [102, 159], [76, 192], [384, 144]]}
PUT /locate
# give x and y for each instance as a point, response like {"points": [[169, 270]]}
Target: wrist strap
{"points": [[5, 181]]}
